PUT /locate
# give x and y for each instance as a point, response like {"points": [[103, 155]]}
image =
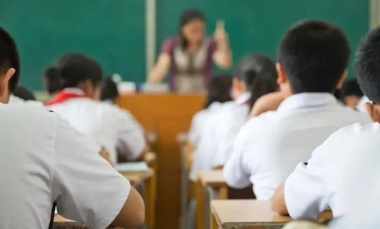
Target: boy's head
{"points": [[9, 65], [351, 93], [367, 66], [313, 57]]}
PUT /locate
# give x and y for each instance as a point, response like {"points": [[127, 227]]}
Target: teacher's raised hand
{"points": [[222, 56], [220, 35]]}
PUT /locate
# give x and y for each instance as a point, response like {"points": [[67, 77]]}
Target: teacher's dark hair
{"points": [[219, 89], [186, 17], [259, 75], [70, 70], [109, 90], [9, 58]]}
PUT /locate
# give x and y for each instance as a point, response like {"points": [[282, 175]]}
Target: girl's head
{"points": [[109, 90], [256, 74], [219, 89], [74, 70], [191, 27]]}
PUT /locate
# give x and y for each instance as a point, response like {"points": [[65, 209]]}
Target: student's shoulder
{"points": [[355, 114], [31, 112], [259, 124]]}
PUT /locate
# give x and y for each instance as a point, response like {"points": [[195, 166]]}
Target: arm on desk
{"points": [[86, 188], [278, 204], [132, 214]]}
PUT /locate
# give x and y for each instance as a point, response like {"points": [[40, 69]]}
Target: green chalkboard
{"points": [[112, 31], [257, 25]]}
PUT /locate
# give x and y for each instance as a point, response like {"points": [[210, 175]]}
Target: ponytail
{"points": [[70, 70], [259, 75], [52, 80]]}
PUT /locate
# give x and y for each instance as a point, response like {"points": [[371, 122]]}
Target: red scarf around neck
{"points": [[63, 96]]}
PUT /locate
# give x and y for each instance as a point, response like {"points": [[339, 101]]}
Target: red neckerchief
{"points": [[63, 96]]}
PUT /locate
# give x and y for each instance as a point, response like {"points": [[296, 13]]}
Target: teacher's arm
{"points": [[222, 56], [160, 70]]}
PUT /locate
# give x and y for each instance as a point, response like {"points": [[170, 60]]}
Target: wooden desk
{"points": [[63, 223], [210, 186], [186, 158], [166, 114], [249, 214]]}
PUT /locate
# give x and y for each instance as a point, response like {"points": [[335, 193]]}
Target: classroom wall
{"points": [[113, 31]]}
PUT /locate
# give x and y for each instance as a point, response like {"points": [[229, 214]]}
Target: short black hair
{"points": [[351, 88], [109, 90], [24, 93], [314, 54], [70, 70], [367, 65], [9, 57], [259, 75], [219, 89]]}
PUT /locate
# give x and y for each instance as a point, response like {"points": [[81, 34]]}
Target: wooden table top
{"points": [[63, 223], [212, 178], [245, 213], [137, 178]]}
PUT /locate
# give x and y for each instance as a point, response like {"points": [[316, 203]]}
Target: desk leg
{"points": [[214, 224], [200, 195], [184, 191], [150, 200]]}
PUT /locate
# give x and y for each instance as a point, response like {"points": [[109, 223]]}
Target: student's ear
{"points": [[4, 85], [373, 111], [282, 75], [238, 88], [340, 83]]}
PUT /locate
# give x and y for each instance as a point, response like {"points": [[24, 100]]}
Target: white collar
{"points": [[74, 90], [307, 100], [243, 98]]}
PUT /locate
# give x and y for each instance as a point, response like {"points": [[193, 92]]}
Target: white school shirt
{"points": [[345, 163], [269, 146], [199, 120], [361, 104], [43, 160], [218, 135], [111, 127]]}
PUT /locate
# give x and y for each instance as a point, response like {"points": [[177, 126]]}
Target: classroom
{"points": [[198, 114]]}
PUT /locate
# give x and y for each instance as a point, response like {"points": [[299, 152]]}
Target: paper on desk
{"points": [[132, 167]]}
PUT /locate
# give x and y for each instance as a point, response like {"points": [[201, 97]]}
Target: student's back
{"points": [[44, 160], [219, 92], [269, 146], [76, 103], [40, 156], [255, 76], [343, 173]]}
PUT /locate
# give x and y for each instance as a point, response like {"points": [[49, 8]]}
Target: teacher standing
{"points": [[190, 55]]}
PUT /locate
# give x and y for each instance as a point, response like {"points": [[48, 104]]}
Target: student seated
{"points": [[79, 78], [351, 93], [44, 160], [255, 76], [109, 94], [346, 162], [218, 93], [269, 146]]}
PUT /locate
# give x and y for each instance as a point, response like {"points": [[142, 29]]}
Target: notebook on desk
{"points": [[132, 167]]}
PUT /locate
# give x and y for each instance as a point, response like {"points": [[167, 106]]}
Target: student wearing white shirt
{"points": [[80, 77], [109, 94], [337, 172], [255, 76], [218, 93], [269, 146], [44, 160]]}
